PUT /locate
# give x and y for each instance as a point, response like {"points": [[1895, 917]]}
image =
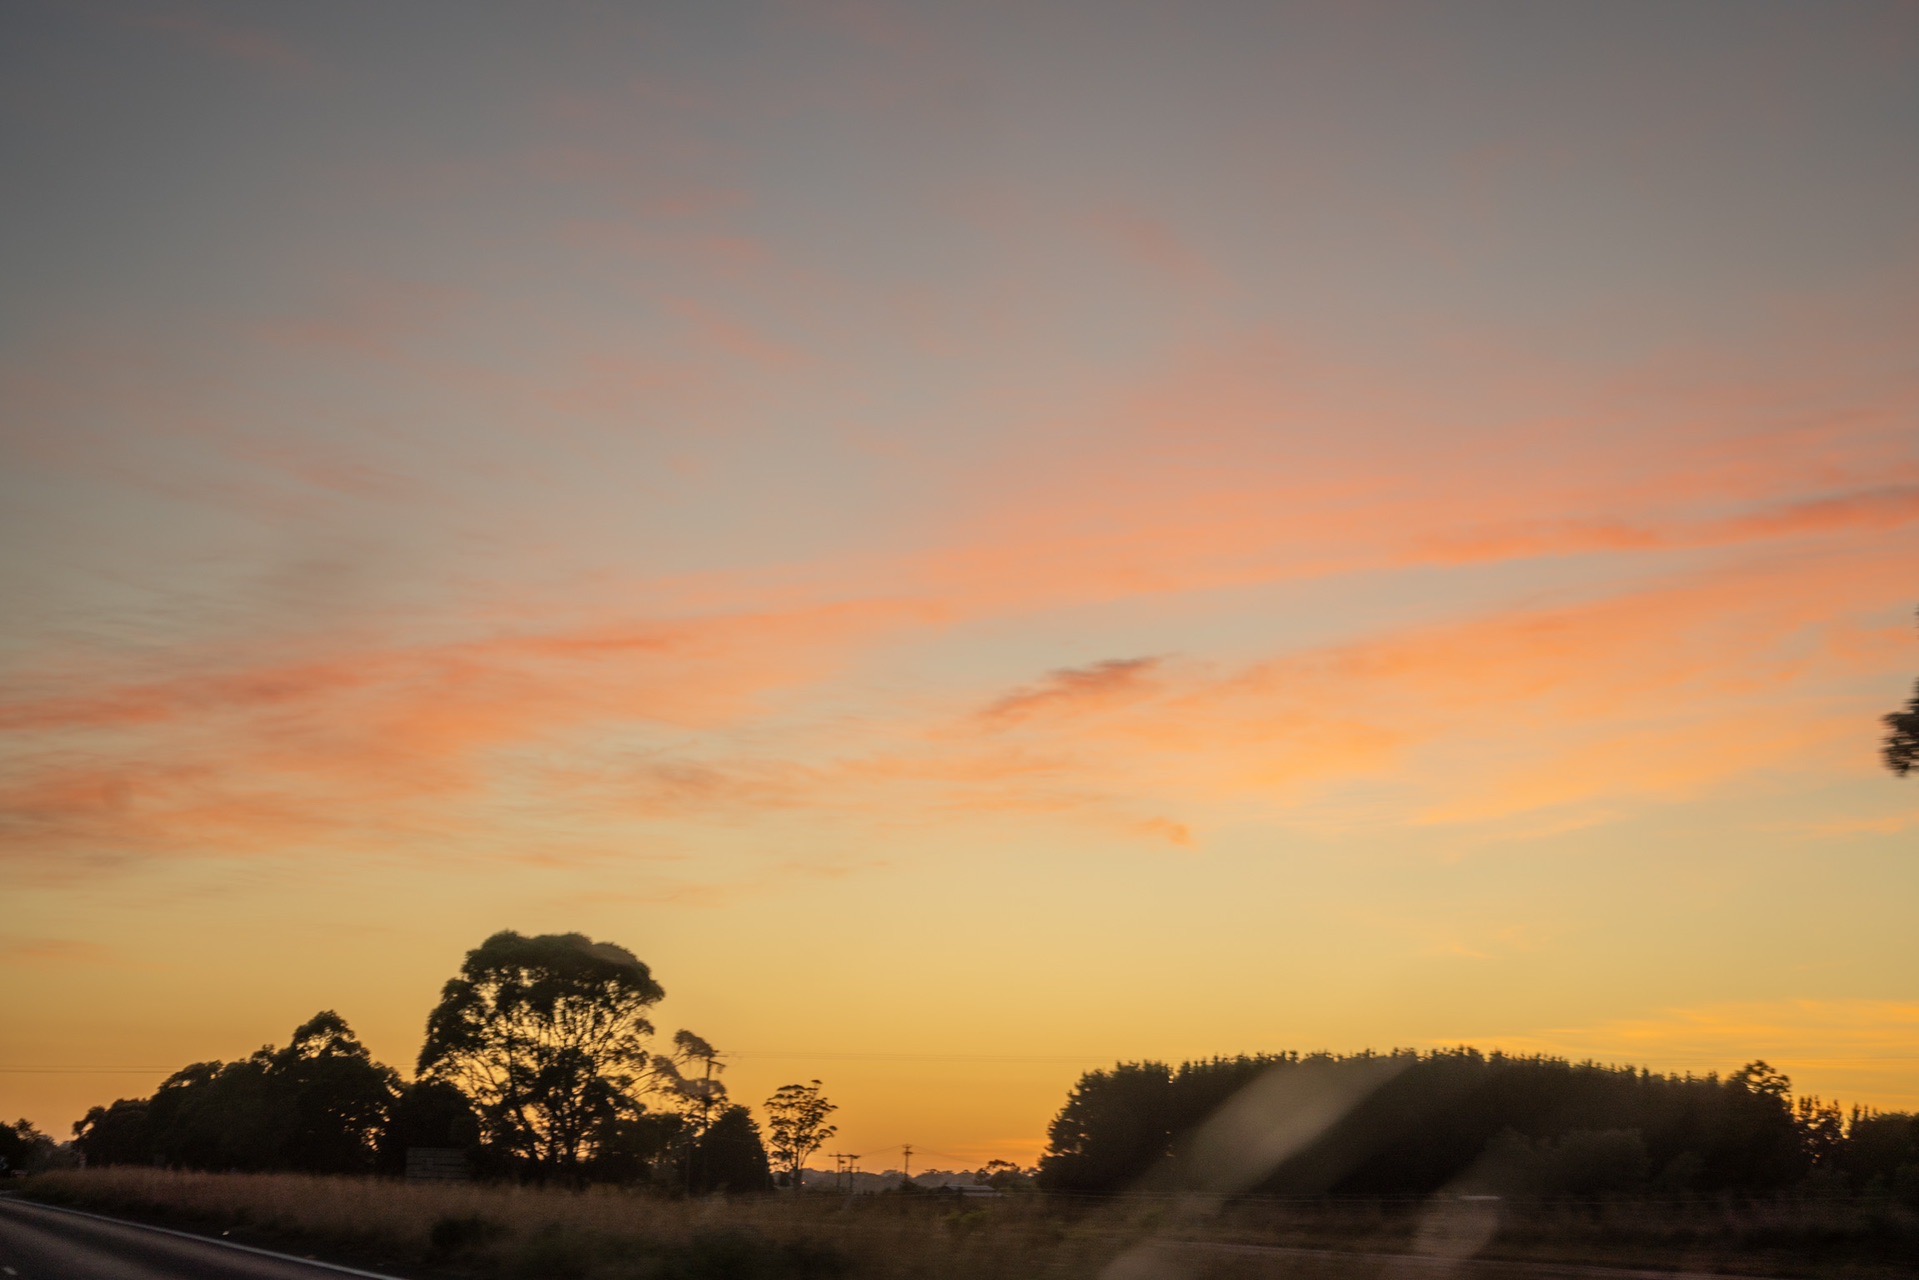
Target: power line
{"points": [[776, 1055], [86, 1071]]}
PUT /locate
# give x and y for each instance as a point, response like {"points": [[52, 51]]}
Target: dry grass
{"points": [[503, 1230], [481, 1230]]}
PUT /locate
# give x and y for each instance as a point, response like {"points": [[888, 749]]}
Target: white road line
{"points": [[334, 1267]]}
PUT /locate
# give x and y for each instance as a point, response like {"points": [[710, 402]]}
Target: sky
{"points": [[980, 541]]}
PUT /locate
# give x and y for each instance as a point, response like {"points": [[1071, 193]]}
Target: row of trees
{"points": [[537, 1063], [1412, 1124], [320, 1104]]}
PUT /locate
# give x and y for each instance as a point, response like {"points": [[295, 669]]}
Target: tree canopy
{"points": [[23, 1148], [535, 1064], [796, 1122], [338, 1098], [731, 1155], [1534, 1125], [319, 1105], [548, 1036]]}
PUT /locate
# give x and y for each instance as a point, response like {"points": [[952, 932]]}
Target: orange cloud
{"points": [[1579, 712], [1736, 575], [1567, 715], [260, 757], [1176, 833], [1863, 510], [1074, 688]]}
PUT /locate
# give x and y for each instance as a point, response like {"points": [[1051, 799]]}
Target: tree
{"points": [[320, 1105], [220, 1115], [548, 1036], [23, 1148], [339, 1099], [732, 1156], [705, 1091], [796, 1121], [1003, 1175], [1579, 1162], [118, 1134], [688, 1075], [643, 1147], [1116, 1125], [428, 1113], [1757, 1147]]}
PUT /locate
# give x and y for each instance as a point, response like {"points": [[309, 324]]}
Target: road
{"points": [[42, 1243]]}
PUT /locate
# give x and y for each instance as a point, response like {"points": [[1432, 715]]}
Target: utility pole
{"points": [[697, 1151], [706, 1100], [906, 1161], [706, 1092]]}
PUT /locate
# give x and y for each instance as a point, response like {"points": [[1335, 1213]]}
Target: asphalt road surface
{"points": [[42, 1243]]}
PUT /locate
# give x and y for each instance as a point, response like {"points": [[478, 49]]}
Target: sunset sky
{"points": [[977, 540]]}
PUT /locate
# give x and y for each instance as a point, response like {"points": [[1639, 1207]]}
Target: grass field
{"points": [[478, 1230]]}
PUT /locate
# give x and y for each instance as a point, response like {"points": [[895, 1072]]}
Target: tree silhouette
{"points": [[23, 1148], [796, 1121], [548, 1036], [320, 1105], [1115, 1126], [1543, 1125], [116, 1134], [1902, 737], [429, 1113], [339, 1098], [690, 1076], [220, 1115], [1003, 1175], [697, 1089], [732, 1156]]}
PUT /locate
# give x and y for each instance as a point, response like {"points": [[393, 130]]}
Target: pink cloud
{"points": [[374, 740], [1573, 712], [1741, 566], [1567, 715]]}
